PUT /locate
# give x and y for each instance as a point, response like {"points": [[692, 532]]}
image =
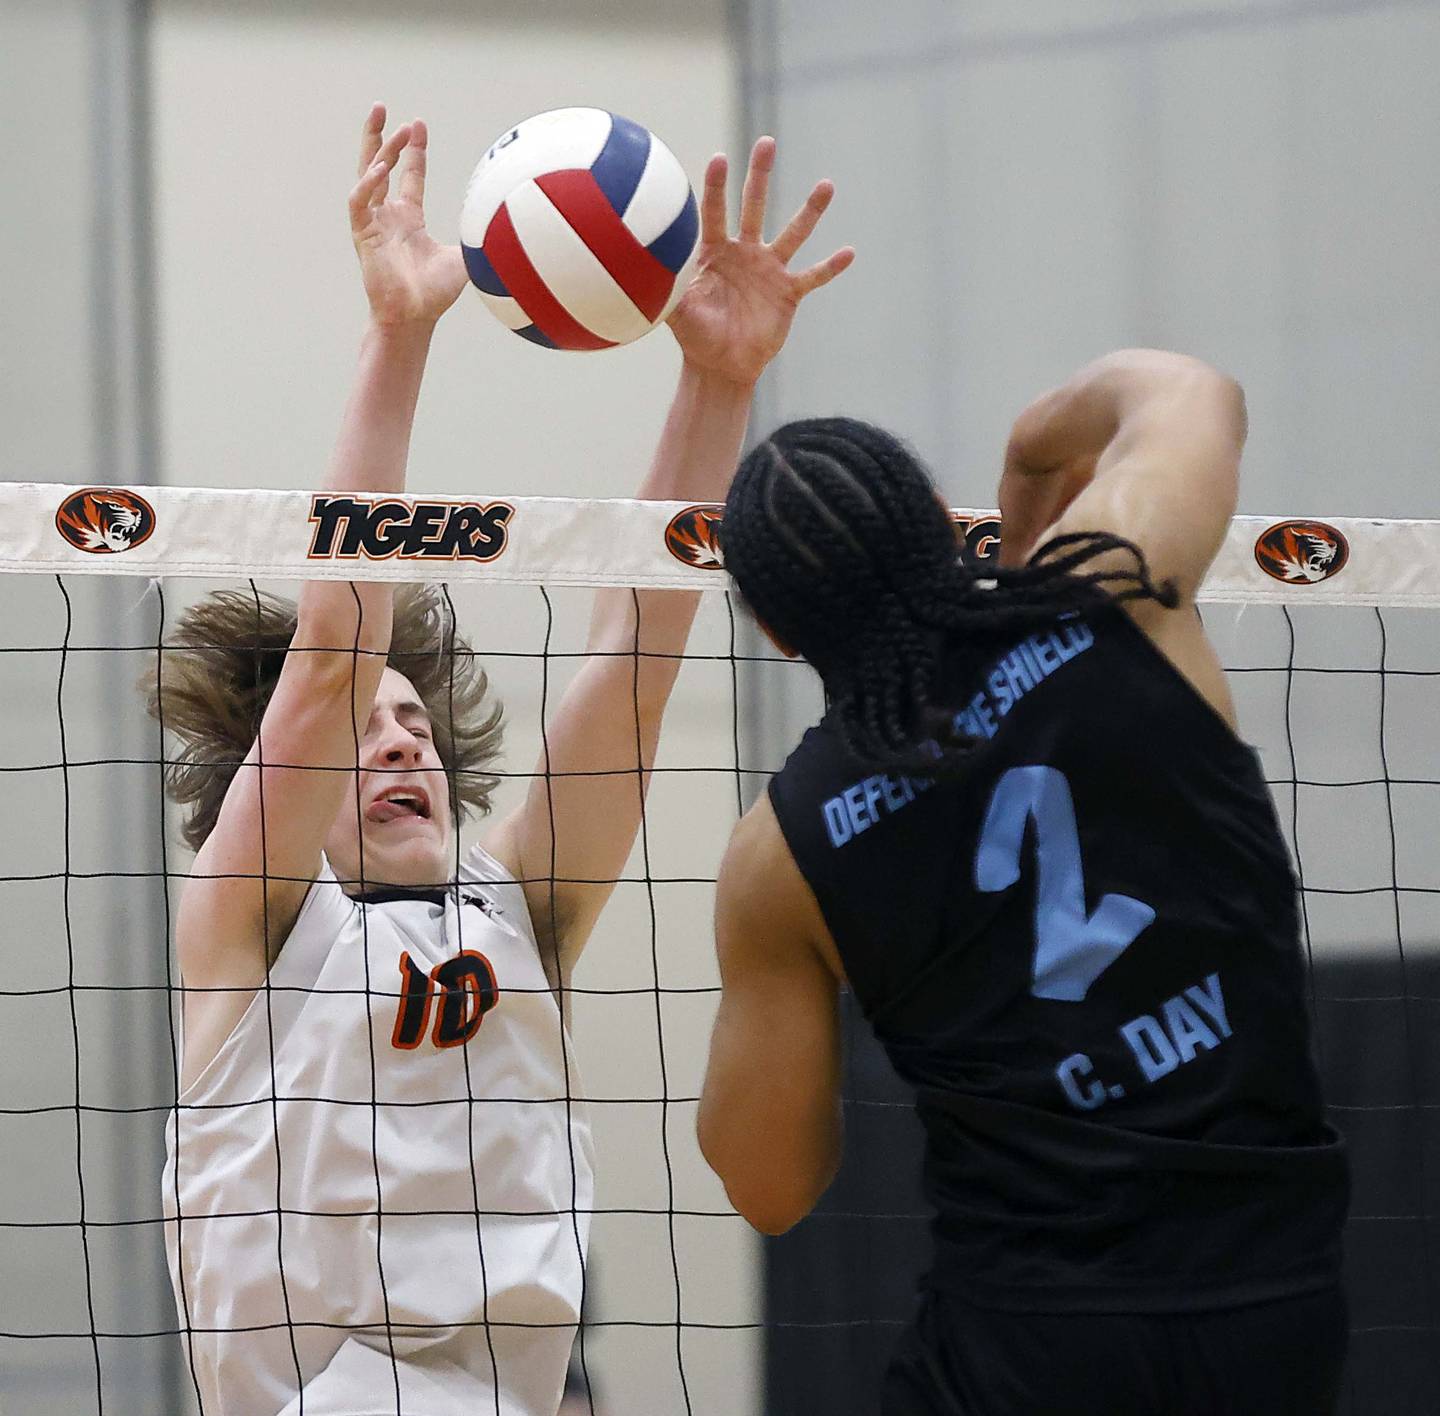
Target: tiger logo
{"points": [[1301, 552], [105, 520], [693, 536]]}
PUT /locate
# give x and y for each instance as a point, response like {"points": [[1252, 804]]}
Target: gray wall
{"points": [[84, 1024], [1252, 181]]}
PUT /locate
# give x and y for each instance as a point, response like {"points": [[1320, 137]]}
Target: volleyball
{"points": [[579, 229]]}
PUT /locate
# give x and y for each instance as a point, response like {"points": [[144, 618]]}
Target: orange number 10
{"points": [[466, 988]]}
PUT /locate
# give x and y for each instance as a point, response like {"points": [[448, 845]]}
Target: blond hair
{"points": [[220, 666]]}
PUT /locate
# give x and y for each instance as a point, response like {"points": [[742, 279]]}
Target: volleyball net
{"points": [[1329, 631]]}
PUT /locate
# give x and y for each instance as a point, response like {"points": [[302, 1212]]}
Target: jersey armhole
{"points": [[484, 864], [325, 900], [1204, 708], [496, 875], [781, 820], [289, 970]]}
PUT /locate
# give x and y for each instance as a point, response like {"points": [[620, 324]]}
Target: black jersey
{"points": [[1083, 953]]}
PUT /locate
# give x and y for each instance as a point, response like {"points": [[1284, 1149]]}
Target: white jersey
{"points": [[403, 1094]]}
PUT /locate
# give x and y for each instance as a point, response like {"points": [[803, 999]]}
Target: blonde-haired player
{"points": [[378, 1183]]}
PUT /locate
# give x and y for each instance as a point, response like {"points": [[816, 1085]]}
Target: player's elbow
{"points": [[1232, 395], [771, 1192], [771, 1209], [1218, 395], [773, 1225], [1220, 407], [1144, 374]]}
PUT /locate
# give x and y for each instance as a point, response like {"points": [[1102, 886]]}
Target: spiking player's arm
{"points": [[1143, 444], [252, 874], [730, 324], [1146, 446], [770, 1122]]}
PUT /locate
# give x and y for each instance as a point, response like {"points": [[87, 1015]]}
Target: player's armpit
{"points": [[569, 841], [769, 1121]]}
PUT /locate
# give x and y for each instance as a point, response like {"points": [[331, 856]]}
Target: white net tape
{"points": [[267, 535]]}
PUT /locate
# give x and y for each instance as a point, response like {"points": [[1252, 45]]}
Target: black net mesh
{"points": [[1341, 702], [90, 1025]]}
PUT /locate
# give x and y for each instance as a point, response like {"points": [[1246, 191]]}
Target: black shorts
{"points": [[1281, 1358]]}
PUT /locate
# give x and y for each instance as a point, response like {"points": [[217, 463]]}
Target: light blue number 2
{"points": [[1072, 948]]}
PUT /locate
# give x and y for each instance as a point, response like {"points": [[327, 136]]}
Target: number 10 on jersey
{"points": [[466, 988]]}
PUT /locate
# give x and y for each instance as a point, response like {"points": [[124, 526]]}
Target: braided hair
{"points": [[836, 537]]}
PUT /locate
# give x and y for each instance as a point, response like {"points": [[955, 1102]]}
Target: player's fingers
{"points": [[387, 157], [824, 272], [804, 222], [413, 164], [757, 189], [712, 200], [362, 194], [370, 136]]}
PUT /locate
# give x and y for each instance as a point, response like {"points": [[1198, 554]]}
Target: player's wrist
{"points": [[401, 337], [717, 383]]}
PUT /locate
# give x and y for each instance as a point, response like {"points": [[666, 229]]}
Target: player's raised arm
{"points": [[1141, 444], [730, 324], [253, 871]]}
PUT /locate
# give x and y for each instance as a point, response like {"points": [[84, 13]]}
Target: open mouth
{"points": [[399, 803]]}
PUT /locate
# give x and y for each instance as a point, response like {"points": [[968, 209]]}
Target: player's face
{"points": [[398, 805]]}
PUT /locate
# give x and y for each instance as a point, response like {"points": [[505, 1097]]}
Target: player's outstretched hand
{"points": [[736, 315], [409, 278]]}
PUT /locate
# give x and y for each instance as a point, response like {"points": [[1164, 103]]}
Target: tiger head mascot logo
{"points": [[105, 520], [1302, 552], [693, 536]]}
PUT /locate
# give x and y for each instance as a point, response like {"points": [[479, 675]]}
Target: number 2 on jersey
{"points": [[1072, 948]]}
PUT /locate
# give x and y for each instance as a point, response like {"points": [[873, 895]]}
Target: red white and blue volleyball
{"points": [[579, 229]]}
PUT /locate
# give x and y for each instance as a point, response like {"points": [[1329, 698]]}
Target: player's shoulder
{"points": [[757, 835], [759, 867], [479, 863], [499, 885], [763, 900], [325, 912]]}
